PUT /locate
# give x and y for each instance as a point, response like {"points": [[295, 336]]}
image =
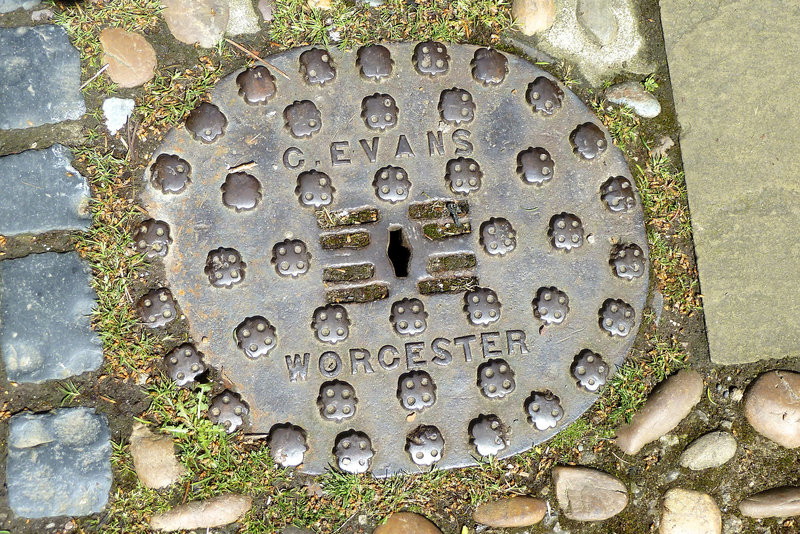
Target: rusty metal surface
{"points": [[528, 266]]}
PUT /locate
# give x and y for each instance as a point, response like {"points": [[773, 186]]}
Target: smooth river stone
{"points": [[154, 458], [515, 511], [215, 512], [131, 59], [689, 512], [588, 494], [407, 523], [775, 502], [710, 450], [668, 404], [772, 407]]}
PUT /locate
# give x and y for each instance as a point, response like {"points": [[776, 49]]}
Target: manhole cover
{"points": [[401, 256]]}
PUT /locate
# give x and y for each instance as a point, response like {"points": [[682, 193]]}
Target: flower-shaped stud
{"points": [[291, 257], [535, 166], [590, 370], [241, 191], [588, 141], [488, 435], [353, 452], [489, 67], [416, 390], [498, 236], [256, 85], [425, 445], [391, 184], [456, 106], [628, 261], [255, 336], [303, 119], [379, 111], [566, 231], [314, 188], [496, 379], [551, 305], [317, 67], [544, 95], [337, 401], [287, 445], [431, 58], [170, 174], [152, 238], [617, 193], [374, 62], [184, 364], [228, 410], [157, 308], [617, 317], [206, 122], [482, 306], [224, 267], [331, 324], [409, 317], [463, 175], [544, 409]]}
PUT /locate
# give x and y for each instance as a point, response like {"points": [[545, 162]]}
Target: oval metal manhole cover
{"points": [[401, 256]]}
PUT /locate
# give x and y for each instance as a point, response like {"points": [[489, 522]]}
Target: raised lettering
{"points": [[516, 338], [337, 153], [330, 364], [293, 154], [382, 357], [443, 356], [298, 368], [360, 357], [463, 147], [403, 148], [413, 356], [464, 341], [489, 342], [435, 142], [372, 152]]}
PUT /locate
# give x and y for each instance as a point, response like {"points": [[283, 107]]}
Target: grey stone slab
{"points": [[58, 463], [734, 66], [45, 330], [40, 77], [7, 6], [42, 192]]}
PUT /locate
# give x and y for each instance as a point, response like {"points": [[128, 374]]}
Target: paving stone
{"points": [[405, 523], [772, 407], [40, 77], [711, 450], [196, 21], [586, 494], [154, 458], [7, 6], [117, 112], [242, 17], [667, 405], [632, 94], [689, 512], [737, 126], [569, 39], [58, 463], [45, 303], [533, 16], [775, 502], [42, 192], [514, 511], [215, 512], [131, 59], [267, 9]]}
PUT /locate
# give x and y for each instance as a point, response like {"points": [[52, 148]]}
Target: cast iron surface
{"points": [[521, 219]]}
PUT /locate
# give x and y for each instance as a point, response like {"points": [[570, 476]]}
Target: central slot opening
{"points": [[399, 252]]}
